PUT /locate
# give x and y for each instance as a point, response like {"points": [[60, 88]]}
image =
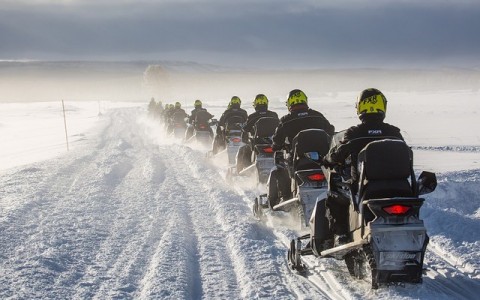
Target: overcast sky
{"points": [[305, 33]]}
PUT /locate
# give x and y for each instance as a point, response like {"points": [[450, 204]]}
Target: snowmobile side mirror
{"points": [[427, 182]]}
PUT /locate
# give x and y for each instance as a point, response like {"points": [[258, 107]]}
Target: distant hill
{"points": [[140, 80]]}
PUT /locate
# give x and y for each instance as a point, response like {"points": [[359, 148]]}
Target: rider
{"points": [[166, 114], [176, 114], [196, 117], [300, 117], [371, 109], [261, 110], [233, 111], [151, 105], [158, 109]]}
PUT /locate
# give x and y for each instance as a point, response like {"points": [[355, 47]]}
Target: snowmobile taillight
{"points": [[236, 140], [268, 150], [316, 177], [202, 126], [396, 209]]}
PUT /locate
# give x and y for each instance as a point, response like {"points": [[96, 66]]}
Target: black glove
{"points": [[329, 164]]}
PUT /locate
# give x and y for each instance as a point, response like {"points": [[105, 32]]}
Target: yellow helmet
{"points": [[178, 105], [198, 104], [260, 99], [371, 101], [296, 97], [235, 100]]}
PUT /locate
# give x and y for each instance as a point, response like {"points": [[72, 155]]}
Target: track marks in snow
{"points": [[172, 270], [216, 278], [83, 225], [258, 257], [448, 276], [128, 216]]}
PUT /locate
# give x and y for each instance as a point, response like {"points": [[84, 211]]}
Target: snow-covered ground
{"points": [[130, 213]]}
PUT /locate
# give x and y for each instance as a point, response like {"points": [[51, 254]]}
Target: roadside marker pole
{"points": [[65, 123]]}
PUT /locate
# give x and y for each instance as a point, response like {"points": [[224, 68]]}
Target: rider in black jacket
{"points": [[261, 111], [233, 112], [192, 120], [176, 115], [300, 117], [371, 109]]}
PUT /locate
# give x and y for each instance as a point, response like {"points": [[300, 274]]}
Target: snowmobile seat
{"points": [[305, 144], [387, 170], [234, 123], [264, 129]]}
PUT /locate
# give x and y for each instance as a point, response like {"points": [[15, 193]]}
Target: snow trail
{"points": [[133, 214]]}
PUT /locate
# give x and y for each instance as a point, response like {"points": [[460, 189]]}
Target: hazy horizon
{"points": [[186, 81]]}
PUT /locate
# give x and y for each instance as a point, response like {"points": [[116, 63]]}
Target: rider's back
{"points": [[298, 120], [202, 117]]}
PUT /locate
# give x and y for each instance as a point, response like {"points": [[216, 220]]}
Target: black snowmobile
{"points": [[233, 137], [307, 179], [387, 237], [201, 130], [261, 160], [177, 125]]}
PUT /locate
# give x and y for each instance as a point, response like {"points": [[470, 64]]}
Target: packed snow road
{"points": [[127, 216], [131, 214]]}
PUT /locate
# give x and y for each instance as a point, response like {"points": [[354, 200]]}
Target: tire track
{"points": [[258, 256], [314, 285], [40, 237]]}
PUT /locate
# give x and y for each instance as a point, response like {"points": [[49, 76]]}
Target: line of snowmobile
{"points": [[176, 125], [388, 239]]}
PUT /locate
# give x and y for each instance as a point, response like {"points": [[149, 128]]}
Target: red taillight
{"points": [[396, 209], [268, 150], [203, 126], [236, 140], [316, 177]]}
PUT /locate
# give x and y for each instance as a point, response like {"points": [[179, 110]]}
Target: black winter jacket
{"points": [[177, 114], [230, 113], [301, 117], [193, 115], [257, 115], [357, 137]]}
